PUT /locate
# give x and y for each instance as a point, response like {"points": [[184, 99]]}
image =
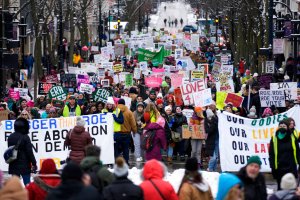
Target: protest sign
{"points": [[264, 80], [101, 72], [203, 98], [105, 83], [216, 70], [224, 59], [119, 49], [3, 115], [220, 99], [235, 99], [14, 94], [227, 69], [101, 95], [118, 68], [186, 132], [203, 67], [178, 97], [176, 80], [137, 73], [82, 79], [156, 57], [272, 97], [107, 65], [193, 132], [44, 88], [290, 89], [224, 84], [178, 53], [270, 67], [158, 70], [181, 64], [197, 75], [188, 113], [241, 138], [58, 93], [187, 91], [23, 92], [81, 72], [48, 136], [88, 67], [68, 80], [23, 74], [143, 66], [128, 80], [153, 81], [278, 46], [86, 88], [94, 48], [51, 78]]}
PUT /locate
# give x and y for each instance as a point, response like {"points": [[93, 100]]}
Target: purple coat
{"points": [[160, 141]]}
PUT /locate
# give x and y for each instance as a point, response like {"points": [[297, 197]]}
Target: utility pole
{"points": [[61, 35], [108, 25], [100, 25], [270, 42], [217, 24], [139, 25], [2, 41], [22, 36]]}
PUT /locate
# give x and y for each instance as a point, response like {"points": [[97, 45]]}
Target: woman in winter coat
{"points": [[180, 120], [169, 121], [13, 189], [197, 119], [25, 161], [229, 187], [212, 141], [159, 140], [153, 186], [47, 179], [192, 186], [77, 139], [138, 115], [284, 153], [154, 113]]}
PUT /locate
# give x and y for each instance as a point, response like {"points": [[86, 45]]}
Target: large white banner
{"points": [[241, 138], [48, 136]]}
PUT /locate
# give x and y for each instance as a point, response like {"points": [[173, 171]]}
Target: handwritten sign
{"points": [[192, 131], [118, 68], [44, 88], [290, 89], [235, 99], [86, 88], [272, 97], [153, 81], [203, 98], [188, 89]]}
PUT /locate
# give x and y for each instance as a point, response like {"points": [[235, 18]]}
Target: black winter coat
{"points": [[253, 189], [25, 155], [255, 101], [74, 190], [123, 189], [180, 120], [212, 130]]}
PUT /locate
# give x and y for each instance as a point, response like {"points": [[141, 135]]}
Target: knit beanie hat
{"points": [[168, 108], [254, 159], [288, 182], [71, 171], [159, 101], [121, 167], [147, 117], [110, 100], [140, 104], [48, 167], [153, 92], [80, 121], [198, 109], [121, 101], [191, 164], [284, 122], [164, 84], [267, 111]]}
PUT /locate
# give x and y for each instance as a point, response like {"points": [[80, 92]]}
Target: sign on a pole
{"points": [[270, 67]]}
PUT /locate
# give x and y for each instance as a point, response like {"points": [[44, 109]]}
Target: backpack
{"points": [[11, 153], [147, 140]]}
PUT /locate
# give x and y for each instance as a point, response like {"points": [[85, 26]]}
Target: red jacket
{"points": [[35, 192], [154, 170]]}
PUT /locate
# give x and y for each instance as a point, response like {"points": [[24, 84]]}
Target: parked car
{"points": [[189, 28]]}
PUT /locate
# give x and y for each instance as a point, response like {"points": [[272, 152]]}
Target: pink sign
{"points": [[14, 94], [156, 70], [153, 81], [176, 80], [51, 79]]}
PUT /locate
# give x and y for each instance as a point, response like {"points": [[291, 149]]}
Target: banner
{"points": [[153, 81], [272, 97], [241, 138], [187, 91], [155, 57], [101, 95], [45, 87], [290, 89], [235, 99], [48, 136], [203, 98]]}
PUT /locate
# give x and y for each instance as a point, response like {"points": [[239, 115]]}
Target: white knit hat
{"points": [[110, 100], [288, 182], [168, 108], [121, 167], [80, 121]]}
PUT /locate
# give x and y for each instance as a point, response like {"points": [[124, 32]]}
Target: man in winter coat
{"points": [[151, 98], [73, 186], [72, 108], [153, 186], [78, 139], [254, 181], [93, 166], [46, 180], [122, 188], [25, 162], [123, 137]]}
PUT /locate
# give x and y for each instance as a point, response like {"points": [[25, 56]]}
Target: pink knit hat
{"points": [[267, 111]]}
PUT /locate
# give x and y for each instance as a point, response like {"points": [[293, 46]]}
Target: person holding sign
{"points": [[283, 153]]}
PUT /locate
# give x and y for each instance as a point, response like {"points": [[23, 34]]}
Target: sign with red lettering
{"points": [[235, 99], [188, 89]]}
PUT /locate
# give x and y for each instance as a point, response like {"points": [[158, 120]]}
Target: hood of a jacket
{"points": [[122, 107], [153, 126], [89, 162], [203, 187], [78, 129], [226, 182], [153, 169], [285, 194]]}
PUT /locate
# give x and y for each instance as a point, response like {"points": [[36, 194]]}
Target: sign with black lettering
{"points": [[290, 89], [269, 98], [68, 80], [48, 136]]}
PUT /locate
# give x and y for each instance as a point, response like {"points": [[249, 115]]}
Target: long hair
{"points": [[151, 108], [234, 194], [190, 177]]}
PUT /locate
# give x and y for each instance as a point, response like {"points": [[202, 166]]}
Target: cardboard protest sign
{"points": [[290, 89], [203, 98], [178, 53], [128, 80], [58, 93], [86, 88], [241, 138], [3, 115], [48, 136], [192, 131], [101, 95], [178, 97], [264, 80], [153, 81], [186, 132], [272, 97], [235, 99], [52, 78], [68, 80], [23, 74], [45, 87], [137, 73], [118, 68], [187, 91], [14, 94]]}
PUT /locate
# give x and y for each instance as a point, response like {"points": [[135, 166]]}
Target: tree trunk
{"points": [[71, 42], [37, 63]]}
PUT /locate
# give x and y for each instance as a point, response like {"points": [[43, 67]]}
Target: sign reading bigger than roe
{"points": [[48, 136]]}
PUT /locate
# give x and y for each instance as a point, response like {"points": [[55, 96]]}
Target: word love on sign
{"points": [[188, 89]]}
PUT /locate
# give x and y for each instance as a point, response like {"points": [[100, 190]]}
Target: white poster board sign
{"points": [[203, 98], [188, 89], [290, 89], [272, 97]]}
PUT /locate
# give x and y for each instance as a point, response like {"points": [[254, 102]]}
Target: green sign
{"points": [[155, 57], [128, 80], [101, 95], [58, 93]]}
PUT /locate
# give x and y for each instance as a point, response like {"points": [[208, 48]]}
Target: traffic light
{"points": [[217, 21], [119, 20], [8, 25]]}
